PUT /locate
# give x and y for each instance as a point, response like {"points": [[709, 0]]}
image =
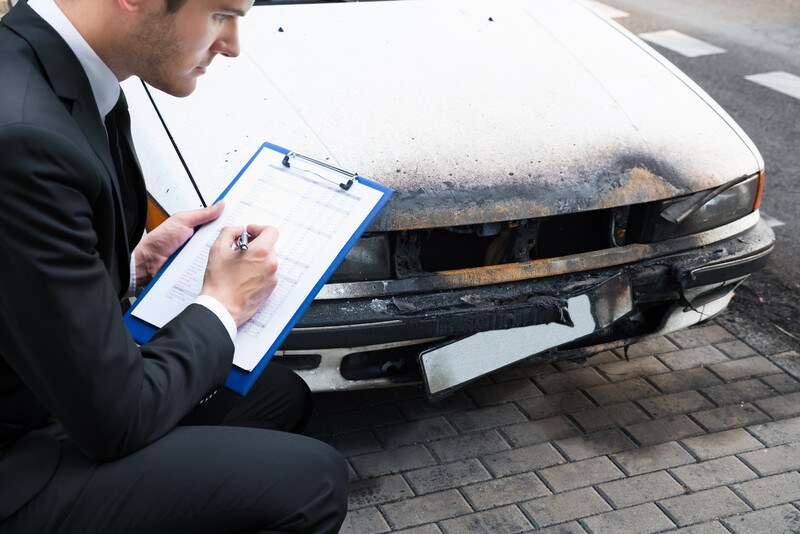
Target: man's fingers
{"points": [[202, 216], [267, 235]]}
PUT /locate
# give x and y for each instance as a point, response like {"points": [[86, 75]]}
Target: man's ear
{"points": [[131, 6]]}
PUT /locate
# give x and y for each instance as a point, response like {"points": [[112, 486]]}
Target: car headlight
{"points": [[369, 259], [703, 210]]}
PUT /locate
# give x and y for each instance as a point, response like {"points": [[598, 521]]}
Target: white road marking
{"points": [[605, 10], [780, 81], [771, 221], [681, 43]]}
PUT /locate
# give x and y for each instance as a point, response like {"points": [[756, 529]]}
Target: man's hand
{"points": [[157, 246], [242, 281]]}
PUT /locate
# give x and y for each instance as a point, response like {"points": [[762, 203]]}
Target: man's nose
{"points": [[227, 44]]}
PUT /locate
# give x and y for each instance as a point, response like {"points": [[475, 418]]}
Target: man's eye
{"points": [[219, 17]]}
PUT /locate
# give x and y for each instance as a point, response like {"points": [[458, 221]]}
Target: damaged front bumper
{"points": [[429, 328]]}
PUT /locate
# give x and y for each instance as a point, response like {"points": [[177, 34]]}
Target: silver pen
{"points": [[243, 241]]}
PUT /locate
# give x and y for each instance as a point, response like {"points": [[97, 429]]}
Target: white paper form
{"points": [[315, 219]]}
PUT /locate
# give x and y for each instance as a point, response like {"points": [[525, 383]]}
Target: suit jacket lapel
{"points": [[70, 84]]}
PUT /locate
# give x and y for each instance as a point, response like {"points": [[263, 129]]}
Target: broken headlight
{"points": [[703, 210], [369, 259]]}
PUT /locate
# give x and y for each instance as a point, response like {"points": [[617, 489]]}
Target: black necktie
{"points": [[118, 126]]}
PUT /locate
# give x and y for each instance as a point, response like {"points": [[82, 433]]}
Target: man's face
{"points": [[173, 49]]}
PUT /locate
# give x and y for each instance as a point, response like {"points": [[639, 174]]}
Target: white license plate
{"points": [[463, 360]]}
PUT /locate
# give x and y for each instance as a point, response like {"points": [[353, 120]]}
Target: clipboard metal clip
{"points": [[344, 185]]}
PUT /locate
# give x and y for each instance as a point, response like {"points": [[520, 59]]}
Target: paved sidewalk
{"points": [[696, 433]]}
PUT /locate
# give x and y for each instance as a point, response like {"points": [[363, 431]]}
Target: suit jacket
{"points": [[65, 242]]}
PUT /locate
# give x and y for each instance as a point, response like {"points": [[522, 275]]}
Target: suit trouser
{"points": [[229, 477]]}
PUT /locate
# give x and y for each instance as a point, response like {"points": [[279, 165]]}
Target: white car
{"points": [[561, 188]]}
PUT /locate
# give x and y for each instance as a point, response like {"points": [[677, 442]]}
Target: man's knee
{"points": [[324, 482]]}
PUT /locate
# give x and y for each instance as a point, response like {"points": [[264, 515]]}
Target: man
{"points": [[96, 433]]}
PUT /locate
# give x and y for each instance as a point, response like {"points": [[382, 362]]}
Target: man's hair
{"points": [[174, 5]]}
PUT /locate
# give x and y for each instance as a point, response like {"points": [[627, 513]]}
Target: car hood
{"points": [[473, 111]]}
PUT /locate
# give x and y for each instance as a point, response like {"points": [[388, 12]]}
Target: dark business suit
{"points": [[67, 363]]}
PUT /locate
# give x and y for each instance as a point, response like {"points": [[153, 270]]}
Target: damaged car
{"points": [[561, 189]]}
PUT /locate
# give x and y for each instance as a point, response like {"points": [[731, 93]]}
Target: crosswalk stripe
{"points": [[771, 221], [681, 43], [780, 81], [605, 10]]}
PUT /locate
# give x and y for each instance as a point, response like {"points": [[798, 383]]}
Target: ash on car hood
{"points": [[472, 111]]}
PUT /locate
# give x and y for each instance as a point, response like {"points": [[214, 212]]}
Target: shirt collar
{"points": [[104, 83]]}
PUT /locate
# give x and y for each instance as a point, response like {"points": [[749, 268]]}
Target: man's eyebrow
{"points": [[237, 12]]}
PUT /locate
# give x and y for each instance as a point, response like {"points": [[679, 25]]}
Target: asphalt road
{"points": [[758, 36]]}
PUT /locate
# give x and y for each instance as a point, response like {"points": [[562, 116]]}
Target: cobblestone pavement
{"points": [[697, 433]]}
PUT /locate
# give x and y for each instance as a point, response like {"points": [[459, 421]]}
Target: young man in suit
{"points": [[98, 434]]}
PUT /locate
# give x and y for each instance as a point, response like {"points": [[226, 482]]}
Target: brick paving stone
{"points": [[735, 349], [506, 490], [592, 361], [618, 371], [771, 490], [420, 431], [317, 427], [430, 528], [654, 458], [567, 506], [595, 444], [675, 403], [611, 416], [732, 416], [784, 519], [372, 491], [448, 476], [426, 509], [703, 506], [736, 392], [774, 459], [722, 444], [778, 432], [621, 391], [392, 461], [744, 368], [569, 380], [696, 378], [497, 393], [580, 474], [506, 520], [422, 408], [640, 489], [522, 459], [700, 335], [642, 519], [469, 446], [572, 527], [789, 362], [709, 474], [355, 443], [663, 430], [712, 527], [657, 345], [568, 402], [364, 521], [483, 418], [690, 358], [540, 431], [351, 473], [363, 418], [781, 407], [524, 370], [782, 383]]}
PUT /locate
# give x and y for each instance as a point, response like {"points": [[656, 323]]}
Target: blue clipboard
{"points": [[240, 380]]}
